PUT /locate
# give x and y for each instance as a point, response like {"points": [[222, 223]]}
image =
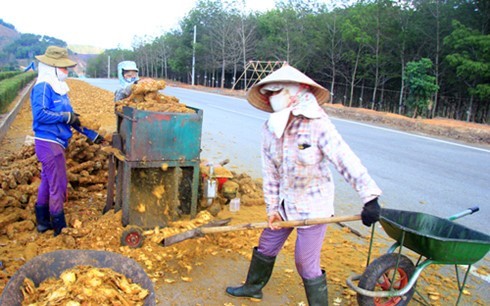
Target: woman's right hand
{"points": [[73, 119], [273, 218]]}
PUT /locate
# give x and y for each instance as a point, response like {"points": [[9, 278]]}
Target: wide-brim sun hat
{"points": [[56, 57], [285, 74]]}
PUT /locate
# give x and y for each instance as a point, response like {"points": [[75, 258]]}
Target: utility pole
{"points": [[193, 56], [108, 66]]}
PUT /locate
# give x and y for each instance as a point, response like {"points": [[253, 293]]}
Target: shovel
{"points": [[203, 230]]}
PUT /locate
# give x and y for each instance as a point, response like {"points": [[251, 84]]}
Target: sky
{"points": [[102, 23]]}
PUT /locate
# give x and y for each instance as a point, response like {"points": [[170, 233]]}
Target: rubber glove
{"points": [[99, 139], [74, 120], [370, 212]]}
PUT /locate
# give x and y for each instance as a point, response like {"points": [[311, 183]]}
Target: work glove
{"points": [[370, 212], [99, 139], [74, 120]]}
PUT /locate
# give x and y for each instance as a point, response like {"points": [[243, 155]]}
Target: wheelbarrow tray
{"points": [[438, 239]]}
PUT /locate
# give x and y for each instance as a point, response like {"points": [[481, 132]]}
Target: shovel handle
{"points": [[200, 231], [259, 225]]}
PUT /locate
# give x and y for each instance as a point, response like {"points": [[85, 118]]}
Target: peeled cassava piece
{"points": [[145, 96], [84, 285]]}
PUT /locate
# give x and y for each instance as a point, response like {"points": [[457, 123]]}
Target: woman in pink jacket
{"points": [[299, 143]]}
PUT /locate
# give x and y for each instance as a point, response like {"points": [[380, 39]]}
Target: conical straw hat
{"points": [[285, 74]]}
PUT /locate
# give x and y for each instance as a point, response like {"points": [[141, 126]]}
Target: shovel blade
{"points": [[181, 237]]}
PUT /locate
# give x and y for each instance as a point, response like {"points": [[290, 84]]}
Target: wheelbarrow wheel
{"points": [[132, 237], [378, 276]]}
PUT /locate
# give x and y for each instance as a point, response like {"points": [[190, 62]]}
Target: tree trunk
{"points": [[223, 74], [244, 61], [235, 68], [470, 109], [353, 79], [376, 76], [415, 112], [382, 98], [487, 116], [332, 59], [362, 94], [402, 85], [438, 51]]}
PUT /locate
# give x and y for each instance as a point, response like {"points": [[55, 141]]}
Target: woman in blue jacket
{"points": [[53, 118]]}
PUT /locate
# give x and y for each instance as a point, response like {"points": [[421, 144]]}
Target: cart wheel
{"points": [[378, 276], [132, 237]]}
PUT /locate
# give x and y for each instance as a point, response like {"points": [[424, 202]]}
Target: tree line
{"points": [[24, 47], [428, 58]]}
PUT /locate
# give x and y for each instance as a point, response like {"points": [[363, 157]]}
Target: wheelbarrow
{"points": [[391, 279], [54, 263]]}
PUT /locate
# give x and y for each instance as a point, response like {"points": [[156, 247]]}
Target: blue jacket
{"points": [[50, 116]]}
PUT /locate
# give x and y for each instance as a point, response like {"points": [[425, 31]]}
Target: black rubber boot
{"points": [[259, 273], [316, 290], [59, 223], [43, 219]]}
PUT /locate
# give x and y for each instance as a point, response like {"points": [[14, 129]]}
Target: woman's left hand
{"points": [[273, 218]]}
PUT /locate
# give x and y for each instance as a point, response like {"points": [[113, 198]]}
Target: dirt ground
{"points": [[197, 271]]}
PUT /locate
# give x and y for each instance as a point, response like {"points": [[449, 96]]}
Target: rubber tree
{"points": [[240, 39], [403, 37], [162, 55], [182, 44], [384, 46], [421, 85], [274, 32], [219, 28], [97, 66], [284, 34], [330, 46], [470, 58], [357, 39], [246, 32]]}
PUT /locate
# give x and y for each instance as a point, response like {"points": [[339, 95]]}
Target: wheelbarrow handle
{"points": [[474, 209], [466, 212]]}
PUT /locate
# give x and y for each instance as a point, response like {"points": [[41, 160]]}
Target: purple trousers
{"points": [[307, 250], [54, 182]]}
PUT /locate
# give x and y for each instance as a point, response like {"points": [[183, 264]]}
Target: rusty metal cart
{"points": [[156, 179], [391, 278]]}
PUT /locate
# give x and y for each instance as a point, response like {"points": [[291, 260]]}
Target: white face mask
{"points": [[131, 80], [282, 100], [62, 76]]}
